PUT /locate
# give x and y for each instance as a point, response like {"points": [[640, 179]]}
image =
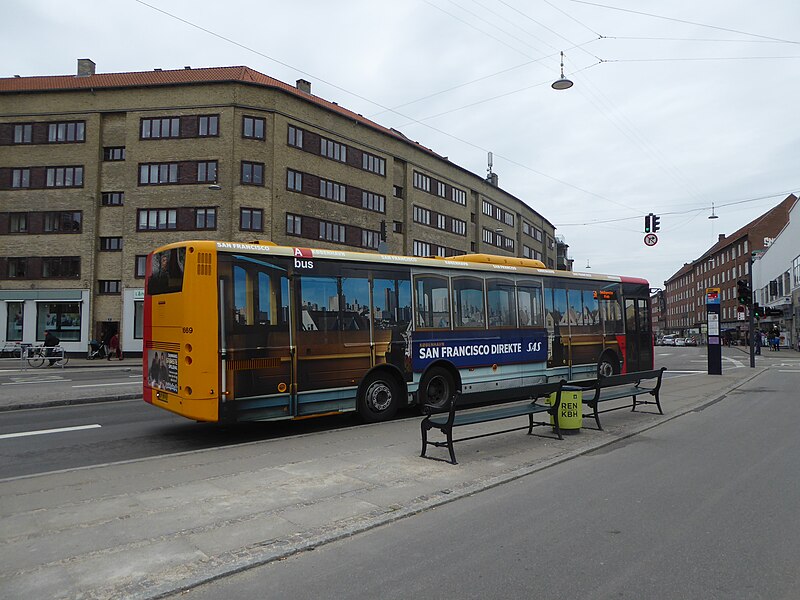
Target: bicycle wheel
{"points": [[62, 362], [36, 359]]}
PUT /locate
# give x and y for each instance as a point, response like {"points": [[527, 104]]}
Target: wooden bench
{"points": [[457, 413], [614, 387]]}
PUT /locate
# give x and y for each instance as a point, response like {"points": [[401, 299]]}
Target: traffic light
{"points": [[647, 223], [743, 292], [655, 224], [756, 310]]}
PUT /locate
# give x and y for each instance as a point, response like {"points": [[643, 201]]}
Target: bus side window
{"points": [[530, 306], [502, 303], [468, 309], [432, 302]]}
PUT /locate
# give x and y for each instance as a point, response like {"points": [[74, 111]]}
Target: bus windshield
{"points": [[166, 272]]}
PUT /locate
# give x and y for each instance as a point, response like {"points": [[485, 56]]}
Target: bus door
{"points": [[638, 335], [332, 315], [256, 336]]}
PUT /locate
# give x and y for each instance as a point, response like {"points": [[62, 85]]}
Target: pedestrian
{"points": [[113, 346], [758, 341], [50, 342]]}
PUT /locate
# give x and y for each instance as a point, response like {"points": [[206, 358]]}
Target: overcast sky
{"points": [[676, 105]]}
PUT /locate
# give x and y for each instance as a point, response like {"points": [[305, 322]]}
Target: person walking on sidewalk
{"points": [[757, 340], [113, 346]]}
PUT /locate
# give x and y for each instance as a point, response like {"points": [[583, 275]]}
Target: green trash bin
{"points": [[570, 412]]}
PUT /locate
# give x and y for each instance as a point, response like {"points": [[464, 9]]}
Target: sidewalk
{"points": [[147, 528]]}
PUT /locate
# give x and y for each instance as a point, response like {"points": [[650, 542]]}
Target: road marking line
{"points": [[35, 381], [106, 384], [44, 431], [788, 370]]}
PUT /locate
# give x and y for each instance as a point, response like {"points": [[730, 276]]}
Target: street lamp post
{"points": [[752, 314]]}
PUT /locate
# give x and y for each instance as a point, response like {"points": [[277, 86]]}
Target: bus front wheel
{"points": [[380, 398], [436, 387]]}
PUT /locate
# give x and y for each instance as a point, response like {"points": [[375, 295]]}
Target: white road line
{"points": [[788, 370], [35, 382], [44, 431], [106, 384]]}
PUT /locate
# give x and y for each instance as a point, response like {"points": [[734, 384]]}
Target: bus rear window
{"points": [[166, 272]]}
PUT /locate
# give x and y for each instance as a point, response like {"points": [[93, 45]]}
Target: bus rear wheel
{"points": [[436, 387], [379, 399]]}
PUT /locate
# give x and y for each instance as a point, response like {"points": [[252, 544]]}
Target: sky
{"points": [[676, 107]]}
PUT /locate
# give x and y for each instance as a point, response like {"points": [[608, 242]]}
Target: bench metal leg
{"points": [[633, 408], [597, 417], [658, 403], [424, 437], [450, 447]]}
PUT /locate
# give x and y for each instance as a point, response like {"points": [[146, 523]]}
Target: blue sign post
{"points": [[714, 338]]}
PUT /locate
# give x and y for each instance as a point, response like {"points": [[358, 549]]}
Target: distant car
{"points": [[691, 342], [668, 340], [680, 341]]}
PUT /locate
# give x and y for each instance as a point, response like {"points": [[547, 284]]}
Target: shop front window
{"points": [[14, 322], [138, 320], [62, 318]]}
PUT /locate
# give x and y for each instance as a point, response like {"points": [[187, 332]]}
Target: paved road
{"points": [[702, 507]]}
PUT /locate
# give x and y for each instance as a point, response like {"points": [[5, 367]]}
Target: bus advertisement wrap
{"points": [[499, 347], [162, 372]]}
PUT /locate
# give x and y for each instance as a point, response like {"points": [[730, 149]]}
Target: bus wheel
{"points": [[608, 365], [380, 399], [437, 387]]}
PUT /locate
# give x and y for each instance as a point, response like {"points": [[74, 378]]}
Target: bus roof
{"points": [[480, 262]]}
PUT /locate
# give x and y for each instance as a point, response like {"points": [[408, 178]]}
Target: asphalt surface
{"points": [[152, 527]]}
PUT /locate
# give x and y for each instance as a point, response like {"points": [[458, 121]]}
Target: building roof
{"points": [[190, 76]]}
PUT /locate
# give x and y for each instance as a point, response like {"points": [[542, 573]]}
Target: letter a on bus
{"points": [[303, 252]]}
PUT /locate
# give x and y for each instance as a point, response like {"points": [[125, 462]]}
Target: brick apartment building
{"points": [[97, 170], [721, 266]]}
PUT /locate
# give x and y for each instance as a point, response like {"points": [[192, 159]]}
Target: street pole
{"points": [[752, 316]]}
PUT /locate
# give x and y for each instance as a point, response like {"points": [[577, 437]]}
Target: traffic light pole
{"points": [[751, 310]]}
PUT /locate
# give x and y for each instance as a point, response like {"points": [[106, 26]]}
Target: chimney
{"points": [[721, 237], [304, 86], [85, 67], [492, 179]]}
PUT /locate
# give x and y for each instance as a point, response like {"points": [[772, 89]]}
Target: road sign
{"points": [[651, 239]]}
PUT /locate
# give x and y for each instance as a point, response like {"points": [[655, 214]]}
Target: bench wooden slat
{"points": [[456, 414]]}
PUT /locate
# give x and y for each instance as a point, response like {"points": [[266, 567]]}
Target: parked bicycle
{"points": [[54, 356]]}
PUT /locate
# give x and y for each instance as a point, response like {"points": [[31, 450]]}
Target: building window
{"points": [[151, 219], [252, 173], [459, 196], [110, 244], [20, 178], [253, 128], [207, 171], [112, 198], [294, 224], [250, 219], [18, 223], [205, 218], [62, 222], [17, 268], [140, 266], [168, 127], [332, 232], [422, 248], [458, 226], [294, 180], [62, 318], [441, 222], [422, 182], [333, 150], [332, 190], [109, 286], [370, 239], [23, 133], [73, 131], [421, 215], [295, 137], [376, 164], [138, 320], [61, 267], [486, 207], [14, 320], [440, 189], [208, 126], [113, 153], [397, 191], [64, 177], [372, 201], [158, 173]]}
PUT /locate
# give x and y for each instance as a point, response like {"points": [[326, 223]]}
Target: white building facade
{"points": [[776, 281]]}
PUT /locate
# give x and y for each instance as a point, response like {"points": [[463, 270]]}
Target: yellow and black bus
{"points": [[255, 331]]}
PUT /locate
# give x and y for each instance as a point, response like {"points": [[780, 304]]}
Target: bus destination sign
{"points": [[497, 348]]}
